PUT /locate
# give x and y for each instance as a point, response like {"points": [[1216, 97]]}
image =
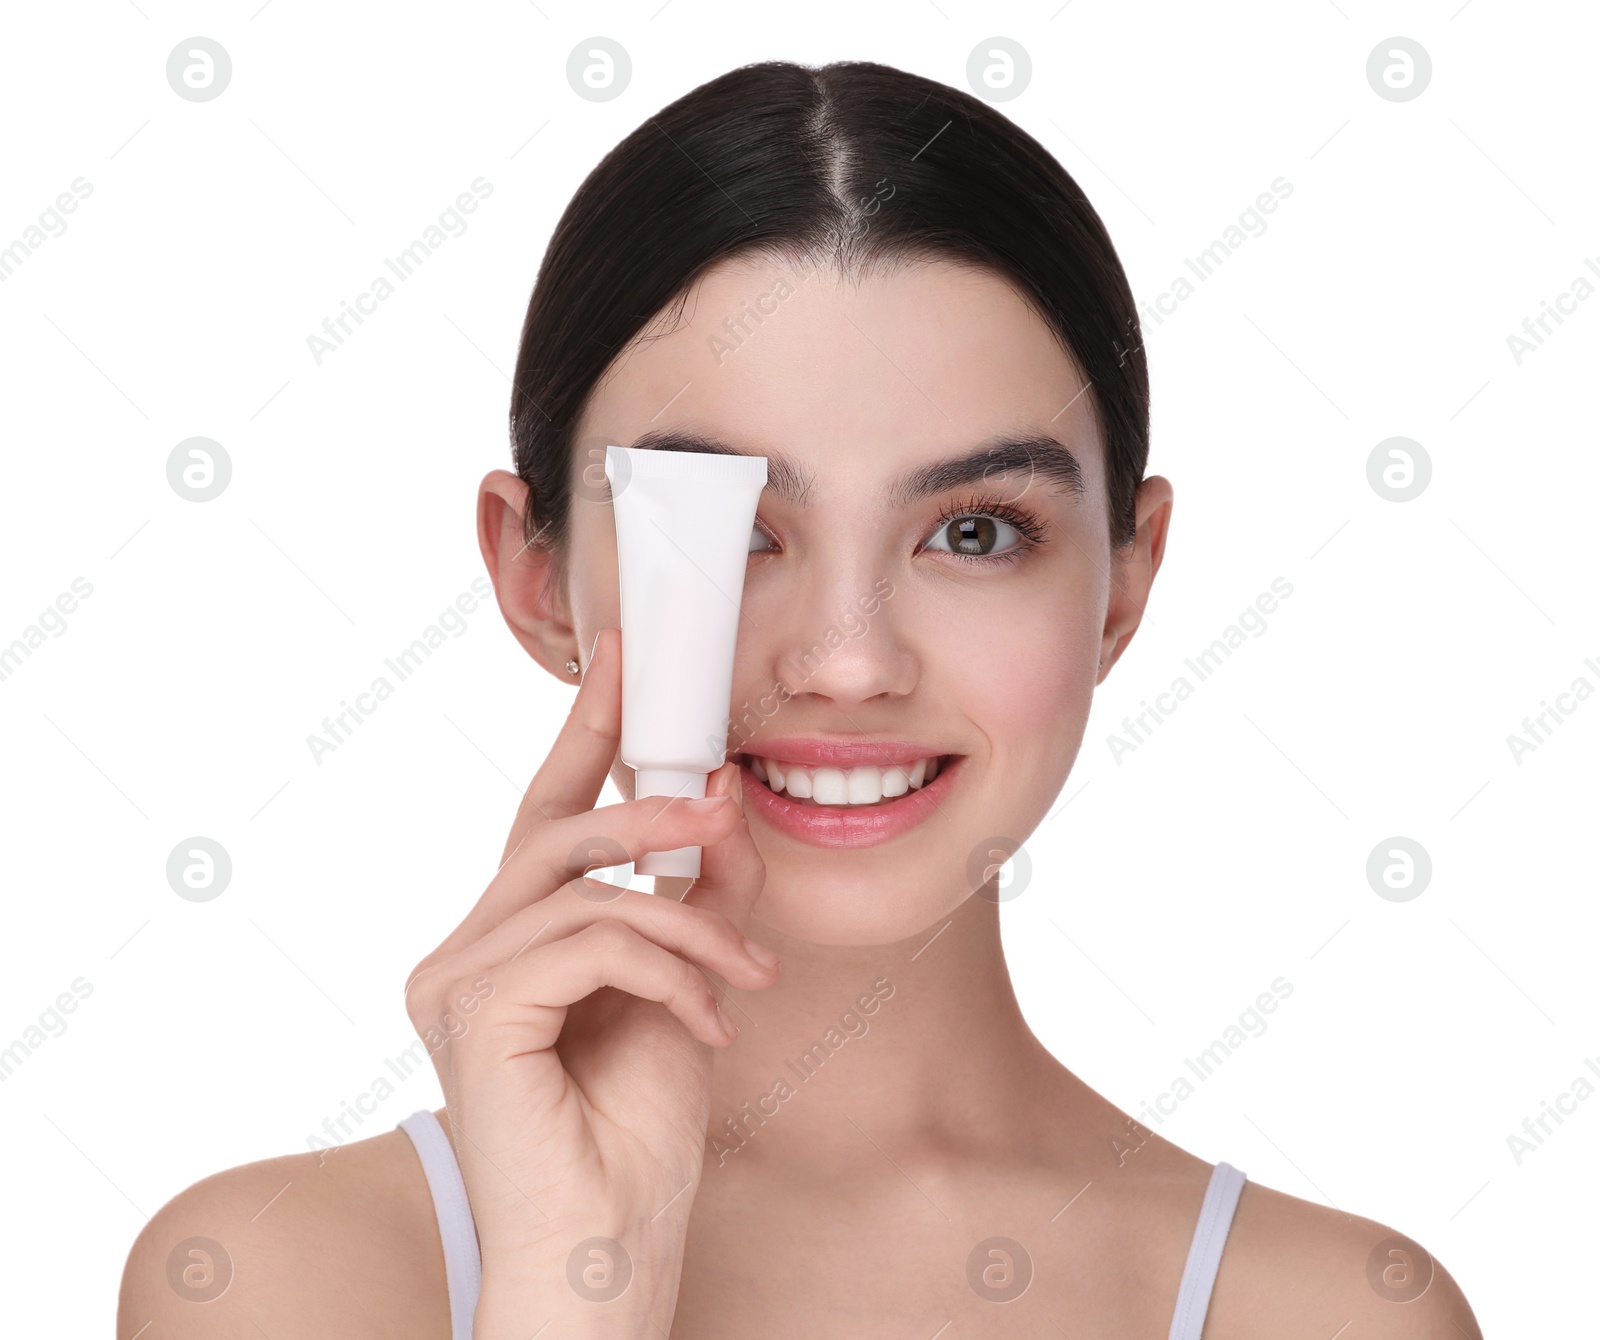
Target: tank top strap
{"points": [[1205, 1252], [463, 1266]]}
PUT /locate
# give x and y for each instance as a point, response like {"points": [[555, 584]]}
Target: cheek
{"points": [[593, 592], [1036, 691], [1031, 651], [1030, 683]]}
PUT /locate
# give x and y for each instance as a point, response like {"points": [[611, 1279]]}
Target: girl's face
{"points": [[916, 589]]}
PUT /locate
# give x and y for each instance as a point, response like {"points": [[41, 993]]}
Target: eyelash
{"points": [[1026, 524]]}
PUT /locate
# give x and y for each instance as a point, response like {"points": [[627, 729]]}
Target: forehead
{"points": [[858, 377]]}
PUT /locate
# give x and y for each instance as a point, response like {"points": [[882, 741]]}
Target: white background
{"points": [[1173, 886]]}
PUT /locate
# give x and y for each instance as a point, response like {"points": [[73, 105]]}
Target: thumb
{"points": [[732, 873]]}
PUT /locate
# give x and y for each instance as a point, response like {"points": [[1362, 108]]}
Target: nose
{"points": [[843, 641]]}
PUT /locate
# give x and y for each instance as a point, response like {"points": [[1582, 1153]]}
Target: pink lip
{"points": [[848, 753], [840, 826]]}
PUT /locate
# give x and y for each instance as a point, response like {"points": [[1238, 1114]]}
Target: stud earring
{"points": [[572, 667]]}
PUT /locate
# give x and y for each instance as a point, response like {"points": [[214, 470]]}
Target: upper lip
{"points": [[856, 751]]}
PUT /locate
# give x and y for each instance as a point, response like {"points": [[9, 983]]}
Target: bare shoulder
{"points": [[339, 1243], [1292, 1267]]}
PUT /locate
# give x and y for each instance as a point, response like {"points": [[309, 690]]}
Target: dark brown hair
{"points": [[789, 159]]}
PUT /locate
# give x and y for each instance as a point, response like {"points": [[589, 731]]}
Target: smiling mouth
{"points": [[842, 789]]}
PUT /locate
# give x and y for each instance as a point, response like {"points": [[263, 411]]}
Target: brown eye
{"points": [[974, 536]]}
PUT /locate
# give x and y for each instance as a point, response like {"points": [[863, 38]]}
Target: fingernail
{"points": [[728, 1026], [761, 954], [707, 805]]}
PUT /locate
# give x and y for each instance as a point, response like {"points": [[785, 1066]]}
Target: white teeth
{"points": [[864, 785], [829, 787]]}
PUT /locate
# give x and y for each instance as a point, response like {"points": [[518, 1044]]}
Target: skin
{"points": [[855, 1207]]}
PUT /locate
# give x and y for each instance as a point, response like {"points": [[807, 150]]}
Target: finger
{"points": [[706, 937], [564, 849], [610, 836], [528, 1003], [732, 872], [570, 779]]}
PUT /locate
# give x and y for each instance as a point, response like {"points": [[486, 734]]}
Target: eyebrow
{"points": [[1035, 455]]}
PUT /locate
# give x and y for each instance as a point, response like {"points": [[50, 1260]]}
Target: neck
{"points": [[899, 1045]]}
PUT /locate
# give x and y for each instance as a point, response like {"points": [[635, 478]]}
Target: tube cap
{"points": [[680, 782], [679, 862]]}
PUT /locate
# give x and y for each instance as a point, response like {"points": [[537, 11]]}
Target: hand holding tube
{"points": [[579, 1091]]}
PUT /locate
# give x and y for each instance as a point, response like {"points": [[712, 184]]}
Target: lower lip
{"points": [[847, 826]]}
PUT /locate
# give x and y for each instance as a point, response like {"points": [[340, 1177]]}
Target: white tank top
{"points": [[463, 1268]]}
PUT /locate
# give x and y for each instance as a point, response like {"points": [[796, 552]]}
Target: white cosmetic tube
{"points": [[684, 522]]}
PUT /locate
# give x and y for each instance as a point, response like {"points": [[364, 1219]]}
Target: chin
{"points": [[853, 899]]}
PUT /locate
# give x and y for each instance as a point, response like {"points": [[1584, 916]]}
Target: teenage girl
{"points": [[798, 1098]]}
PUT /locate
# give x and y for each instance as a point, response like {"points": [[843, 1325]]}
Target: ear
{"points": [[524, 575], [1133, 570]]}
